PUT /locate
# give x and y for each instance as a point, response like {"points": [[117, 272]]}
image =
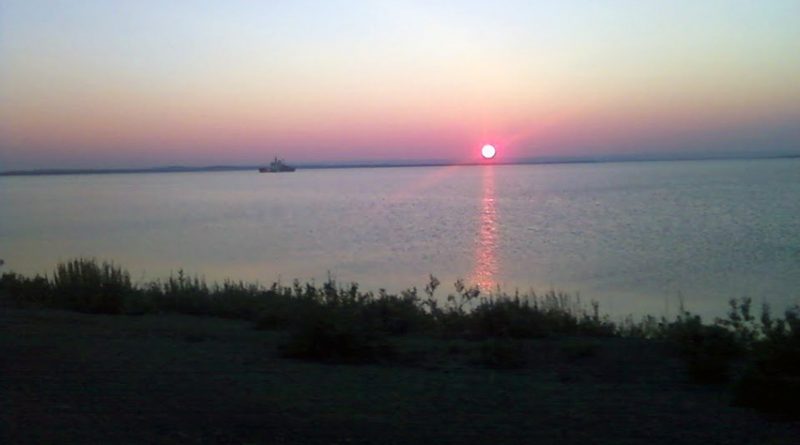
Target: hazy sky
{"points": [[143, 83]]}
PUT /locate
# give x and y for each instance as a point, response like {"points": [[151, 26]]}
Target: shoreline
{"points": [[748, 360]]}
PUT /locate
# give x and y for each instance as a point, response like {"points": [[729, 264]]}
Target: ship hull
{"points": [[269, 170]]}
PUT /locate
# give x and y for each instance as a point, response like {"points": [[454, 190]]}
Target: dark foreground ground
{"points": [[74, 378]]}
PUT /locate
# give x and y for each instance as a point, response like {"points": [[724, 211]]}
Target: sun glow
{"points": [[488, 151]]}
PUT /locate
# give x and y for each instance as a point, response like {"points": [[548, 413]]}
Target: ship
{"points": [[276, 166]]}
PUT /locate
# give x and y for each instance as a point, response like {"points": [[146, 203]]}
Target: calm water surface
{"points": [[632, 235]]}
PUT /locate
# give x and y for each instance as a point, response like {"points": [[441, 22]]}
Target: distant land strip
{"points": [[386, 164]]}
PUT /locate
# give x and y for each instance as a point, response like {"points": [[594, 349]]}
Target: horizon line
{"points": [[548, 160]]}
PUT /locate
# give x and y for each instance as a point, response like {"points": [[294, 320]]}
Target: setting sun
{"points": [[488, 151]]}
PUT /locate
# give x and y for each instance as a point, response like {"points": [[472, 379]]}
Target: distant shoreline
{"points": [[312, 166]]}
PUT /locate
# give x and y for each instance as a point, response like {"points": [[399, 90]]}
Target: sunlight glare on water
{"points": [[486, 268], [631, 235]]}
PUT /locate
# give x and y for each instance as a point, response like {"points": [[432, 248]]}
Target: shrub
{"points": [[276, 310], [86, 286], [707, 349], [23, 290], [771, 382], [336, 337], [535, 316], [395, 315], [507, 318], [711, 354], [742, 324]]}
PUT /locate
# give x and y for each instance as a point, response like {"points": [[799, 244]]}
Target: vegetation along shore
{"points": [[89, 356]]}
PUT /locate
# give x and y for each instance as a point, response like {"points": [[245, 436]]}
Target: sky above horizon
{"points": [[95, 84]]}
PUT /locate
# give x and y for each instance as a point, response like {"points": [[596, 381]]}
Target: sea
{"points": [[637, 237]]}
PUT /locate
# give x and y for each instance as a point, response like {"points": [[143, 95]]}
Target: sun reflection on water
{"points": [[485, 272]]}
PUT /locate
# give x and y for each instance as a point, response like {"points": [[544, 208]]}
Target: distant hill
{"points": [[107, 171]]}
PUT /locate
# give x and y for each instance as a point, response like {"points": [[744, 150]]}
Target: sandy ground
{"points": [[75, 378]]}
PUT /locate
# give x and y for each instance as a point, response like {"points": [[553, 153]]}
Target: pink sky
{"points": [[93, 85]]}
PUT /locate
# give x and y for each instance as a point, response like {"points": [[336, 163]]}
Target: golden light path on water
{"points": [[485, 272]]}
